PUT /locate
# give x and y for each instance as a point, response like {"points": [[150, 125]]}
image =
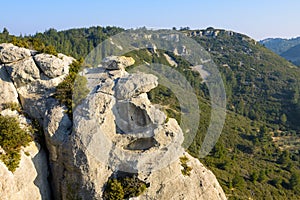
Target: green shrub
{"points": [[73, 89], [295, 181], [12, 137], [124, 188], [13, 106], [49, 50], [238, 182]]}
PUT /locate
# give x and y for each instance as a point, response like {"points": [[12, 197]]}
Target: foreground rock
{"points": [[22, 82], [53, 66], [10, 53], [29, 181], [116, 130]]}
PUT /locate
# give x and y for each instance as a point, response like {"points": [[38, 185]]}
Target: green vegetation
{"points": [[73, 89], [75, 42], [27, 42], [13, 106], [114, 190], [12, 138], [287, 48], [123, 188], [292, 54], [186, 171], [259, 84]]}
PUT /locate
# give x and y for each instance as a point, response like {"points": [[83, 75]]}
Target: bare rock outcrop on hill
{"points": [[115, 131]]}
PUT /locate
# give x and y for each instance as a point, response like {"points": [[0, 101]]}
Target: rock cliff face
{"points": [[115, 131], [23, 81]]}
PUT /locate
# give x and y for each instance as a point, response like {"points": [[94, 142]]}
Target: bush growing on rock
{"points": [[125, 187], [12, 138], [72, 86]]}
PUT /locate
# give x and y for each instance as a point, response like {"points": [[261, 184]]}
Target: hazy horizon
{"points": [[257, 19]]}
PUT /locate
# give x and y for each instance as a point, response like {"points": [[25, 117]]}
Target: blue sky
{"points": [[257, 18]]}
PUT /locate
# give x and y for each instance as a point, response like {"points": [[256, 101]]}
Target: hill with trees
{"points": [[258, 153], [293, 54]]}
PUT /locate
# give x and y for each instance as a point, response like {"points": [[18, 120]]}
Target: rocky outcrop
{"points": [[135, 84], [115, 130], [23, 71], [170, 182], [10, 53], [29, 181], [24, 82], [117, 63], [53, 66]]}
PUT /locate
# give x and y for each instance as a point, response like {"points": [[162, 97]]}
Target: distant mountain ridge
{"points": [[280, 45], [293, 55], [287, 48]]}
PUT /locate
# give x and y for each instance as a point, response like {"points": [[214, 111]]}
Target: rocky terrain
{"points": [[115, 132]]}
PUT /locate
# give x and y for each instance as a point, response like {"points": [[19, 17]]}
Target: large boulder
{"points": [[117, 62], [53, 66], [171, 183], [21, 79], [135, 84], [23, 71], [10, 53], [115, 130]]}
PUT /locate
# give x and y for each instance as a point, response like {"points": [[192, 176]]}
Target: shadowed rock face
{"points": [[133, 116], [141, 144]]}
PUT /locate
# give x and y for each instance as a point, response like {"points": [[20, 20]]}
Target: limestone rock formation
{"points": [[170, 182], [115, 130], [29, 181], [53, 66], [116, 63], [10, 53], [23, 71], [22, 82], [8, 91]]}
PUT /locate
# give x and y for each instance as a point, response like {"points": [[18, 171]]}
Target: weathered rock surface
{"points": [[21, 79], [53, 66], [170, 183], [10, 53], [135, 84], [8, 91], [23, 72], [117, 62], [115, 129], [29, 181]]}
